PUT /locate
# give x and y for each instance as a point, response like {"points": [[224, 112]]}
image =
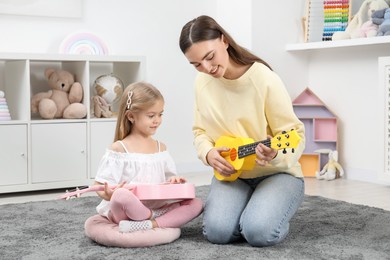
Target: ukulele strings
{"points": [[249, 149]]}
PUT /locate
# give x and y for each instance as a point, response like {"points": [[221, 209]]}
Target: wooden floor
{"points": [[356, 192]]}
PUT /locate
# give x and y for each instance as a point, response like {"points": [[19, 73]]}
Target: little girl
{"points": [[136, 158]]}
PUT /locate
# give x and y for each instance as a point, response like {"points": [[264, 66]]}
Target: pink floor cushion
{"points": [[106, 233]]}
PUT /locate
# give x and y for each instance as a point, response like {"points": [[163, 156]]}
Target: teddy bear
{"points": [[332, 169], [382, 19], [363, 15], [64, 98]]}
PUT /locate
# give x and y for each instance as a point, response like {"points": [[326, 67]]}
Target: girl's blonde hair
{"points": [[135, 98]]}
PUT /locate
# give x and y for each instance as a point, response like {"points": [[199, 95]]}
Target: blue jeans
{"points": [[258, 210]]}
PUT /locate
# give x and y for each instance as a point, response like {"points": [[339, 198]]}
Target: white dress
{"points": [[134, 168]]}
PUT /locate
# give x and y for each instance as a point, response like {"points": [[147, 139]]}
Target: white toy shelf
{"points": [[38, 154]]}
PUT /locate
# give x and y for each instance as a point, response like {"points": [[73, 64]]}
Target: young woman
{"points": [[238, 94], [136, 158]]}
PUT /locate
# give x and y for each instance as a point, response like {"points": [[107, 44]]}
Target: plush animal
{"points": [[332, 169], [100, 107], [64, 98], [363, 15], [367, 30], [382, 18]]}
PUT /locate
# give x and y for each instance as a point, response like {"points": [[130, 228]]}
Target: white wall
{"points": [[347, 81], [272, 31], [236, 17]]}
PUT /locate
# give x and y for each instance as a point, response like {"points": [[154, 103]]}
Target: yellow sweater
{"points": [[255, 105]]}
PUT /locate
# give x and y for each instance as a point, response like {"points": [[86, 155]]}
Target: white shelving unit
{"points": [[37, 154], [360, 42]]}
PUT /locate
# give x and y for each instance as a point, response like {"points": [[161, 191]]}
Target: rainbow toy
{"points": [[336, 14], [83, 43], [4, 112]]}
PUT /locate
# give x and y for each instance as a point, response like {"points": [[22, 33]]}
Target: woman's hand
{"points": [[176, 179], [215, 160], [264, 154]]}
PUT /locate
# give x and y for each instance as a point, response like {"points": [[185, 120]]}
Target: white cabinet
{"points": [[102, 136], [58, 152], [37, 154], [13, 154]]}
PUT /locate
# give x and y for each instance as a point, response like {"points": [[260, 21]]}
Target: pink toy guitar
{"points": [[165, 191]]}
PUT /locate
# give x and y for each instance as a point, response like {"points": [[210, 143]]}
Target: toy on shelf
{"points": [[4, 111], [361, 25], [313, 22], [325, 18], [332, 169], [100, 107], [336, 16], [109, 89], [382, 19], [64, 98], [320, 130], [86, 43]]}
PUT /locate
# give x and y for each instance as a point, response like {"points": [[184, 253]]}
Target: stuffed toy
{"points": [[382, 18], [367, 30], [64, 98], [363, 15], [332, 169], [100, 107]]}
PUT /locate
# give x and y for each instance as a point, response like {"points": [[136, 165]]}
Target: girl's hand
{"points": [[219, 163], [108, 191], [176, 179], [265, 154]]}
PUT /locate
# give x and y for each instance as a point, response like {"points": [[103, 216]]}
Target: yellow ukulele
{"points": [[242, 152]]}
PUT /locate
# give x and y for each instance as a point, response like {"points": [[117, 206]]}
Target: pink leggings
{"points": [[126, 206]]}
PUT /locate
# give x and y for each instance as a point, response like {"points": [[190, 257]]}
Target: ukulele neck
{"points": [[249, 149]]}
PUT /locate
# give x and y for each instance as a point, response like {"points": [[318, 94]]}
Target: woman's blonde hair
{"points": [[135, 98], [205, 28]]}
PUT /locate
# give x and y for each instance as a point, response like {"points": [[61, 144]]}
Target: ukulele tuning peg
{"points": [[284, 151]]}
